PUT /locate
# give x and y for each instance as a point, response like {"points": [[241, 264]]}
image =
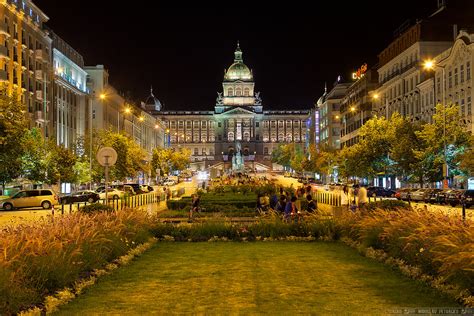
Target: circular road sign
{"points": [[107, 156]]}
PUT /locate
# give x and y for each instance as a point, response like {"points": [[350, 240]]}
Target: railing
{"points": [[121, 203], [329, 198]]}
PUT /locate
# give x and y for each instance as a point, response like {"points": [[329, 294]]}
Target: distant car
{"points": [[169, 182], [380, 192], [80, 196], [432, 196], [468, 198], [405, 193], [420, 195], [454, 197], [146, 188], [112, 193], [44, 198]]}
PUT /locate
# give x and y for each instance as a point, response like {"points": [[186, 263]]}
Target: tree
{"points": [[445, 130], [467, 159], [161, 158], [13, 125], [34, 158], [180, 159]]}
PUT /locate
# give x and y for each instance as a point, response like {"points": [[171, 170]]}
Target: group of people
{"points": [[287, 204], [355, 198]]}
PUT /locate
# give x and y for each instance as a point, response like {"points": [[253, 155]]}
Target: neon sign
{"points": [[360, 72]]}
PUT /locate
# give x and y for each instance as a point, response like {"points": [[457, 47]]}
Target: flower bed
{"points": [[439, 245], [39, 259]]}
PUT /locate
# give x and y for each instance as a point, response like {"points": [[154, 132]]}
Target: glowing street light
{"points": [[431, 65], [102, 96]]}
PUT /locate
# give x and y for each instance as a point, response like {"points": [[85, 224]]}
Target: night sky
{"points": [[182, 49]]}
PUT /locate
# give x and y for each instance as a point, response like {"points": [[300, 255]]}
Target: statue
{"points": [[237, 160], [258, 100], [220, 99]]}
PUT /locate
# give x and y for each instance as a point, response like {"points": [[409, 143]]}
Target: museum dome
{"points": [[238, 70], [153, 102]]}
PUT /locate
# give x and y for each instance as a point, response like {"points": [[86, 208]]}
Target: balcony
{"points": [[40, 55], [3, 52], [39, 95], [4, 28], [39, 117], [3, 76], [39, 75]]}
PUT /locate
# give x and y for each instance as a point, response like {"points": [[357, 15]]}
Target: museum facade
{"points": [[239, 124]]}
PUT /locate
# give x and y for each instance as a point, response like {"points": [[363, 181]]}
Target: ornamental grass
{"points": [[440, 245], [39, 259]]}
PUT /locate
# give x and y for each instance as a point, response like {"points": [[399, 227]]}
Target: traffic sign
{"points": [[107, 156]]}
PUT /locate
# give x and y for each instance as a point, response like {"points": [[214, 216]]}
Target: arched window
{"points": [[246, 92], [230, 136], [230, 92], [247, 136], [238, 92]]}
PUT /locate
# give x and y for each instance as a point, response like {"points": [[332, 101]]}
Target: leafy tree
{"points": [[180, 159], [161, 158], [467, 159], [13, 125], [445, 131], [35, 156]]}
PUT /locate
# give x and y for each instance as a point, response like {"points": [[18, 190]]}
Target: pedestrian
{"points": [[273, 200], [312, 205], [281, 205], [290, 208], [194, 205], [362, 198], [345, 198]]}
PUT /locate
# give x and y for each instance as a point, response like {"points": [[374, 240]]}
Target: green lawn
{"points": [[249, 278]]}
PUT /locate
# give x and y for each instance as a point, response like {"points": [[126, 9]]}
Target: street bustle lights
{"points": [[431, 65]]}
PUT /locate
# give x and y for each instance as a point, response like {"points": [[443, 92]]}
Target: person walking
{"points": [[194, 205], [345, 198], [312, 204], [362, 198]]}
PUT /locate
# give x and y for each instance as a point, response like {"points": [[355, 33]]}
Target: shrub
{"points": [[387, 205], [96, 207], [41, 258], [440, 245]]}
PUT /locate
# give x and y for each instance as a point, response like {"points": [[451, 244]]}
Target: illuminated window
{"points": [[230, 136]]}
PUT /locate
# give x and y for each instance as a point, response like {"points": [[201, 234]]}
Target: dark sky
{"points": [[182, 49]]}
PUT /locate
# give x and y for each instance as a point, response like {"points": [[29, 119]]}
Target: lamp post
{"points": [[166, 139], [431, 65]]}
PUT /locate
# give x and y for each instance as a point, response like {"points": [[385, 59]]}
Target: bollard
{"points": [[70, 208], [463, 210], [62, 207]]}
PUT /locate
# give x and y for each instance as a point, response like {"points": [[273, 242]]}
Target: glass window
{"points": [[456, 77], [257, 124], [196, 151], [230, 92], [265, 151], [246, 92], [462, 74], [238, 92], [219, 124], [468, 70], [204, 151]]}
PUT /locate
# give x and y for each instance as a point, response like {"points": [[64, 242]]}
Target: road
{"points": [[26, 215]]}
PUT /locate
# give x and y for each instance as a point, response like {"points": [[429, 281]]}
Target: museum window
{"points": [[238, 92], [257, 137], [196, 151], [468, 70], [230, 136], [204, 151], [246, 92], [188, 124], [462, 74], [265, 151], [230, 92], [257, 124], [219, 124]]}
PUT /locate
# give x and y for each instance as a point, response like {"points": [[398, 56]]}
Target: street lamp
{"points": [[431, 65]]}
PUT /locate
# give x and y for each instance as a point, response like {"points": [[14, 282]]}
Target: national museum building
{"points": [[238, 127]]}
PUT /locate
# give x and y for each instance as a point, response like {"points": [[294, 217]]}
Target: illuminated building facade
{"points": [[238, 121], [70, 93], [25, 60]]}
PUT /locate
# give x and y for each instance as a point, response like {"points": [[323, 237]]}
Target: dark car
{"points": [[432, 196], [136, 187], [454, 197], [80, 196], [380, 192], [468, 198]]}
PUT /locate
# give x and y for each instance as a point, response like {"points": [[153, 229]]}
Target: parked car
{"points": [[112, 193], [404, 193], [80, 196], [432, 196], [442, 196], [380, 192], [169, 182], [146, 188], [127, 188], [468, 198], [420, 195], [44, 198], [454, 197]]}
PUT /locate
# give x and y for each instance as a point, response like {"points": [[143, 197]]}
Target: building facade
{"points": [[329, 116], [456, 65], [25, 60], [70, 93], [238, 125], [356, 105]]}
